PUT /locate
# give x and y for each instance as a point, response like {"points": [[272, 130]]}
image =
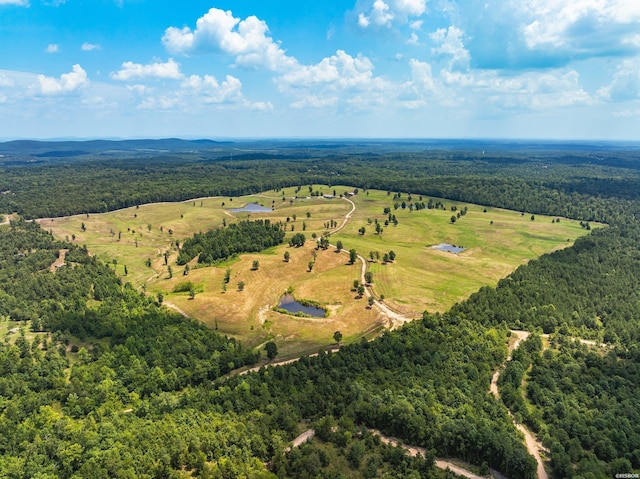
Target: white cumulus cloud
{"points": [[560, 24], [219, 31], [383, 13], [168, 70], [20, 3], [67, 83], [336, 81], [451, 43], [625, 84], [210, 90], [87, 47], [379, 15], [411, 7], [340, 71], [52, 48]]}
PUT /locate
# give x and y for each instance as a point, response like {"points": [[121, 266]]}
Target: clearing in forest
{"points": [[142, 240]]}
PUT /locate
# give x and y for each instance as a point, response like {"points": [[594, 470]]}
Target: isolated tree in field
{"points": [[361, 290], [368, 277], [371, 301], [297, 240], [271, 349], [311, 263], [160, 298], [287, 256], [353, 255], [255, 265], [241, 286], [356, 283], [227, 275], [362, 230], [323, 242], [83, 227], [148, 263], [170, 271], [308, 214], [126, 270], [453, 219], [339, 246], [337, 336], [378, 228], [192, 293], [186, 270], [149, 228], [392, 255], [385, 258]]}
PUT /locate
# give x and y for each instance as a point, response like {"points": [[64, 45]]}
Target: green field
{"points": [[496, 241], [421, 278]]}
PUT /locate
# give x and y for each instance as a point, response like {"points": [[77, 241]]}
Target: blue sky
{"points": [[542, 69]]}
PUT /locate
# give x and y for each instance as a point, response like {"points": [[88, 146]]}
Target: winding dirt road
{"points": [[534, 447], [520, 336], [413, 451], [395, 319]]}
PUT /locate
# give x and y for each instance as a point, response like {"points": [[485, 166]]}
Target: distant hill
{"points": [[575, 152], [67, 149]]}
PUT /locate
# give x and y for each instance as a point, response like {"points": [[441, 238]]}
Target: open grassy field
{"points": [[420, 278], [133, 235]]}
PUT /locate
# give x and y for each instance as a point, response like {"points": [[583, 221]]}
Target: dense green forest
{"points": [[555, 183], [97, 380], [221, 243]]}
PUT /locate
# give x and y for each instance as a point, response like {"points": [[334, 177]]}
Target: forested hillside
{"points": [[553, 183], [97, 380]]}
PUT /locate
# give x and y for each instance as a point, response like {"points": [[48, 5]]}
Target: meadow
{"points": [[496, 241], [141, 242]]}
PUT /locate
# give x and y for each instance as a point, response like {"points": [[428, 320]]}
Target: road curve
{"points": [[395, 319], [534, 447], [413, 451], [520, 336]]}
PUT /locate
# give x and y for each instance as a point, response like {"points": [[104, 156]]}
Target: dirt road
{"points": [[520, 336], [534, 447], [59, 262], [412, 450], [439, 462]]}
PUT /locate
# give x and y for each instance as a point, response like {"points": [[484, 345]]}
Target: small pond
{"points": [[251, 208], [449, 248], [289, 303]]}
